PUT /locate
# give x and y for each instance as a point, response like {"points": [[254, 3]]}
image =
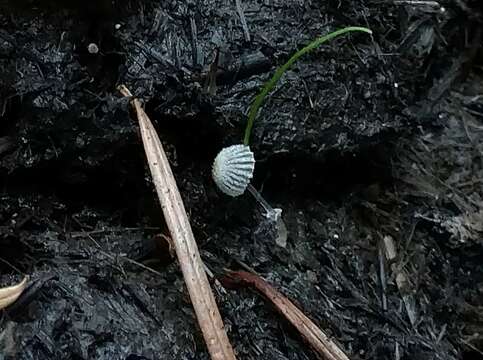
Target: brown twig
{"points": [[189, 257], [320, 342]]}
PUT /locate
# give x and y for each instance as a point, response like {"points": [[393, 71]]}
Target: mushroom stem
{"points": [[270, 212], [274, 215]]}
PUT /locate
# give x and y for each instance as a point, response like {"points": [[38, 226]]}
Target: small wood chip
{"points": [[10, 294]]}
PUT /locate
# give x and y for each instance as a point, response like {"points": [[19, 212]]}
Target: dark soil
{"points": [[368, 139]]}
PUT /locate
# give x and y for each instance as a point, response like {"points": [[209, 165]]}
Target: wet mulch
{"points": [[368, 141]]}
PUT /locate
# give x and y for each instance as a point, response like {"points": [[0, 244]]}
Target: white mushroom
{"points": [[92, 48], [233, 169]]}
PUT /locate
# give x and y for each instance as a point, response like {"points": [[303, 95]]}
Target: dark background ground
{"points": [[366, 138]]}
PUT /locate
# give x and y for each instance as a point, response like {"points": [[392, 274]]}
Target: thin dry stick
{"points": [[189, 257], [320, 342]]}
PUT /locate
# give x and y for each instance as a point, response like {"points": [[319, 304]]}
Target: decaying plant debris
{"points": [[9, 294], [322, 345], [182, 236], [367, 138]]}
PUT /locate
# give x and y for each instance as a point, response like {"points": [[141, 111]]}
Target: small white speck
{"points": [[396, 85], [92, 48], [117, 26], [442, 9], [336, 236]]}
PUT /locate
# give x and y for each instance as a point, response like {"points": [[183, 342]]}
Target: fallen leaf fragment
{"points": [[402, 280], [9, 294]]}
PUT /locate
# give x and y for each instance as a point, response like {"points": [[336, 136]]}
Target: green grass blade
{"points": [[269, 85]]}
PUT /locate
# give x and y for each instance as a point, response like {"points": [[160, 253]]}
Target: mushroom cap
{"points": [[233, 169]]}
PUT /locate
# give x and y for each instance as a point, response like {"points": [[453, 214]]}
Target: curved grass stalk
{"points": [[269, 85]]}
